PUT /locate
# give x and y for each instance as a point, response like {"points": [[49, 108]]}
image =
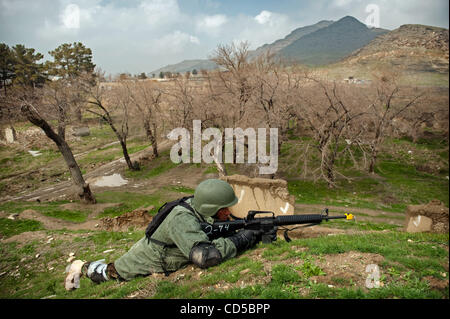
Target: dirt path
{"points": [[63, 189]]}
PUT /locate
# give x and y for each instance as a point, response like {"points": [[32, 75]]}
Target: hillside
{"points": [[414, 47], [331, 43], [187, 65], [350, 44], [289, 39]]}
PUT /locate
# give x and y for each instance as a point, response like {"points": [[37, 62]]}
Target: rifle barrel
{"points": [[302, 219]]}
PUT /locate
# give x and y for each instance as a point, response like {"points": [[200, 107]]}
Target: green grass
{"points": [[44, 276], [282, 274], [10, 228], [399, 179], [50, 209], [417, 253], [129, 202], [360, 225], [180, 189], [112, 152], [405, 265], [156, 167], [413, 260], [13, 160]]}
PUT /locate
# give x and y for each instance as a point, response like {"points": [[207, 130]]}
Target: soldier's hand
{"points": [[246, 239]]}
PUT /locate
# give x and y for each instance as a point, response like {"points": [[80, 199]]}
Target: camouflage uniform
{"points": [[179, 241], [181, 231]]}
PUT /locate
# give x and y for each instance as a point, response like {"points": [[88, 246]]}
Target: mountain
{"points": [[348, 42], [330, 43], [187, 65], [412, 46], [289, 39]]}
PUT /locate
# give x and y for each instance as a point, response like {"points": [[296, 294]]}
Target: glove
{"points": [[272, 235], [246, 239]]}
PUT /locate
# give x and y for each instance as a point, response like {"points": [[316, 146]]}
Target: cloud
{"points": [[266, 27], [71, 16], [214, 21], [159, 12], [264, 17], [174, 42], [194, 39], [341, 3]]}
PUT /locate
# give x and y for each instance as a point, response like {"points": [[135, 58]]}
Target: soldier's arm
{"points": [[186, 233]]}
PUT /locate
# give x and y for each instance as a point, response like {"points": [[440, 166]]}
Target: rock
{"points": [[13, 216], [243, 272], [432, 217], [10, 135], [37, 255], [108, 251], [81, 131]]}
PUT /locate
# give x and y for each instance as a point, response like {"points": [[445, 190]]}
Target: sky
{"points": [[137, 36]]}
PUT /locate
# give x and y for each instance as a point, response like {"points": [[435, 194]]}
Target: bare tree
{"points": [[233, 81], [146, 98], [389, 102], [180, 95], [430, 112], [56, 102], [329, 113], [105, 105]]}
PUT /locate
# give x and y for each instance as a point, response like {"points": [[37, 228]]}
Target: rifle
{"points": [[268, 225]]}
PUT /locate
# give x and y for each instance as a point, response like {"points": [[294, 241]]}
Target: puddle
{"points": [[113, 180]]}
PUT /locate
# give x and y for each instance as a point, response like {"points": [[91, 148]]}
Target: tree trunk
{"points": [[330, 173], [219, 163], [123, 144], [127, 156], [373, 159], [220, 167], [84, 191], [151, 136], [79, 115]]}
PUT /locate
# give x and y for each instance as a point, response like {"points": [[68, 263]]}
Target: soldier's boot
{"points": [[99, 272]]}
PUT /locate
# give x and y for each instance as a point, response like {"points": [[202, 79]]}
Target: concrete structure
{"points": [[260, 194], [432, 217]]}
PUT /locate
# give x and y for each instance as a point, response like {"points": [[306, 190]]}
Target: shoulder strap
{"points": [[181, 202]]}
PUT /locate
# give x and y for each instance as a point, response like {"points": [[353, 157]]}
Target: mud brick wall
{"points": [[260, 194]]}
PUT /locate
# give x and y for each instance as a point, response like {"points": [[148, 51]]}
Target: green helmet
{"points": [[212, 195]]}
